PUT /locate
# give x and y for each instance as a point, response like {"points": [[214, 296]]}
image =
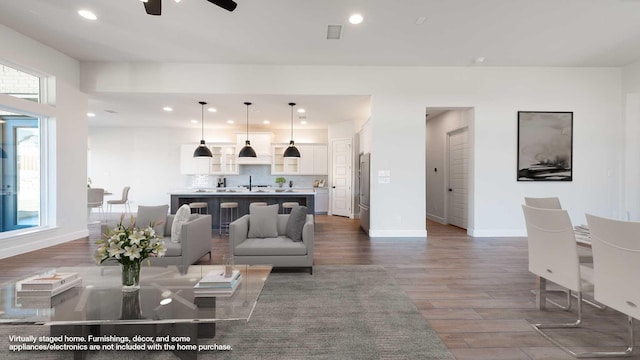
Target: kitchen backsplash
{"points": [[260, 175]]}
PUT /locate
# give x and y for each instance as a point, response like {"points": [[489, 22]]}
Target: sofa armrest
{"points": [[238, 231], [308, 235], [195, 239]]}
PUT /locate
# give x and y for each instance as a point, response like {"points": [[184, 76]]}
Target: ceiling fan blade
{"points": [[225, 4], [153, 7]]}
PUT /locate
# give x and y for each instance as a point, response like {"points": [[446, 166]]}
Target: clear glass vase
{"points": [[131, 276], [131, 309]]}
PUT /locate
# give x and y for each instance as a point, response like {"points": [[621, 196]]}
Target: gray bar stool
{"points": [[227, 214], [259, 203], [287, 206], [199, 207]]}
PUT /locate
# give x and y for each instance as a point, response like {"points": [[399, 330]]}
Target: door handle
{"points": [[333, 187]]}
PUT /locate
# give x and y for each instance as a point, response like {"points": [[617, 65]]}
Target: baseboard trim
{"points": [[498, 233], [22, 246], [437, 219], [397, 233]]}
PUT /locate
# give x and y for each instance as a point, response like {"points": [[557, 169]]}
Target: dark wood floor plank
{"points": [[474, 292]]}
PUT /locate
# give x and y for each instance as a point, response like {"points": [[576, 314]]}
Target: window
{"points": [[21, 175], [19, 84]]}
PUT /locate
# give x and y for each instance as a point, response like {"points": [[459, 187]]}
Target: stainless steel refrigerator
{"points": [[365, 174]]}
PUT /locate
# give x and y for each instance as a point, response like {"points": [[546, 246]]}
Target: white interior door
{"points": [[458, 150], [341, 178]]}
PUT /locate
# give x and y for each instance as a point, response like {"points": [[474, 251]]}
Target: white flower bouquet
{"points": [[128, 244]]}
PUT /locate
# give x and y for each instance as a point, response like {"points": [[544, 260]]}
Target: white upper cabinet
{"points": [[190, 165], [223, 161], [260, 142], [312, 160]]}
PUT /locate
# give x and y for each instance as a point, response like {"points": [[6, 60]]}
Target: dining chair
{"points": [[553, 256], [584, 254], [616, 264], [122, 201], [545, 203], [95, 200]]}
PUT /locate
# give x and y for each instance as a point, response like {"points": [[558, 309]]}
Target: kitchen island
{"points": [[214, 197]]}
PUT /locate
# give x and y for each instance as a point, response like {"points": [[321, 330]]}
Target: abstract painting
{"points": [[545, 146]]}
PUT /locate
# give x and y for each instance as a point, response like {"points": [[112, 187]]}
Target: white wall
{"points": [[67, 142], [399, 98], [631, 93]]}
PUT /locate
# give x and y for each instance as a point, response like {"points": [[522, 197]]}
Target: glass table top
{"points": [[166, 295]]}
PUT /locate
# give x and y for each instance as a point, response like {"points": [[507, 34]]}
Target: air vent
{"points": [[334, 32]]}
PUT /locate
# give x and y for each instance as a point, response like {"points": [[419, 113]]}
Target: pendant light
{"points": [[247, 150], [202, 150], [291, 151]]}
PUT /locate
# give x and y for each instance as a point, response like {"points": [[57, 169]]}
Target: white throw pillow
{"points": [[181, 217]]}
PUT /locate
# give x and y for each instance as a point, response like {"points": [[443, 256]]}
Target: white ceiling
{"points": [[454, 33]]}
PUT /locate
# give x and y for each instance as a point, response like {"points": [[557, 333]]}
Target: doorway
{"points": [[457, 174], [448, 165], [19, 173], [341, 193]]}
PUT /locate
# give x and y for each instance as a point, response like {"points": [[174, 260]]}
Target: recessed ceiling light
{"points": [[303, 122], [302, 111], [230, 121], [266, 122], [87, 14], [355, 19], [167, 108], [479, 60], [212, 109], [420, 20], [90, 114], [194, 121]]}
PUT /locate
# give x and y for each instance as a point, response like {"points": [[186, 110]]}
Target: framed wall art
{"points": [[545, 146]]}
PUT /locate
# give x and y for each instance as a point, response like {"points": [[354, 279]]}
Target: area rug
{"points": [[339, 312]]}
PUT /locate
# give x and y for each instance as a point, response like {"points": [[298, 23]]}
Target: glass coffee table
{"points": [[164, 314]]}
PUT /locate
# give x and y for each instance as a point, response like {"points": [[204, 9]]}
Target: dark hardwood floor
{"points": [[474, 292]]}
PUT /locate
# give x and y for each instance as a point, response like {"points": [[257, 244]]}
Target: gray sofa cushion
{"points": [[153, 214], [263, 221], [173, 249], [275, 246], [295, 223]]}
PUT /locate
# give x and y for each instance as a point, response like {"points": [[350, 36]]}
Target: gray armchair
{"points": [[280, 251]]}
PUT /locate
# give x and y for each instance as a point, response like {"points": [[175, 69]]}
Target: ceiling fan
{"points": [[154, 7]]}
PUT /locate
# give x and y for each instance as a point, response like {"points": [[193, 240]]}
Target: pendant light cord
{"points": [[292, 105], [247, 119], [202, 120]]}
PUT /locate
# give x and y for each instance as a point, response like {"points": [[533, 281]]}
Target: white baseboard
{"points": [[438, 219], [498, 233], [19, 245], [397, 233]]}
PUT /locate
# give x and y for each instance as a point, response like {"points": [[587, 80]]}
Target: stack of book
{"points": [[46, 290], [216, 284]]}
